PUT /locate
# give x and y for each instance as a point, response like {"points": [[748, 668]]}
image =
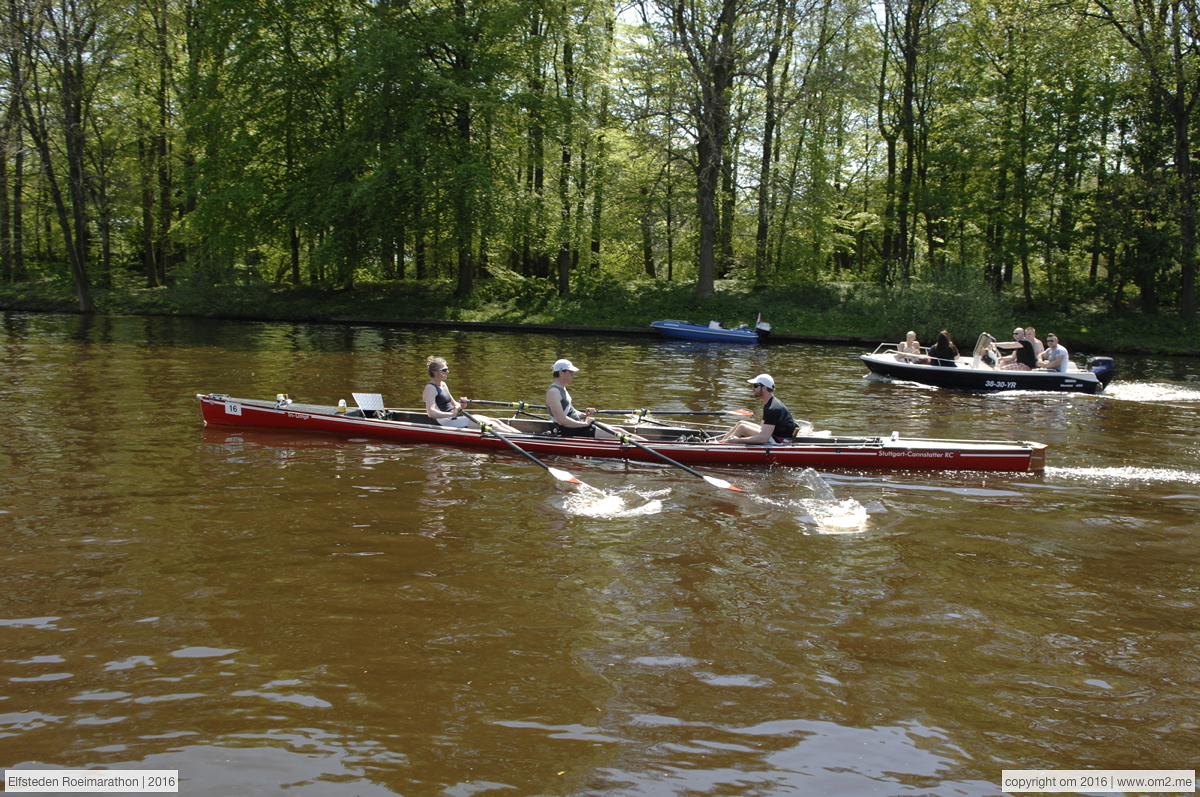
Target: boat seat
{"points": [[368, 401]]}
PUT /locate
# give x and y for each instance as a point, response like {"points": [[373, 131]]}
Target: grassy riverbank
{"points": [[821, 311]]}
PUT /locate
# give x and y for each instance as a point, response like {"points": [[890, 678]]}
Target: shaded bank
{"points": [[826, 313]]}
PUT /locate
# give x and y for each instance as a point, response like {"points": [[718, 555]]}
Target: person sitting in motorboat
{"points": [[1023, 358], [777, 424], [1055, 357], [441, 406], [568, 421], [909, 349], [943, 352], [1038, 346]]}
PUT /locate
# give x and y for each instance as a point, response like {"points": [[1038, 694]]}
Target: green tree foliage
{"points": [[1021, 147]]}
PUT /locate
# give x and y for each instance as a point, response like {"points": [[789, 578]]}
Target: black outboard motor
{"points": [[1103, 367]]}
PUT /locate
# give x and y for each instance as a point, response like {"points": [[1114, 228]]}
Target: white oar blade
{"points": [[563, 476], [724, 485]]}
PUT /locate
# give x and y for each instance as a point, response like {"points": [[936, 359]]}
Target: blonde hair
{"points": [[433, 364]]}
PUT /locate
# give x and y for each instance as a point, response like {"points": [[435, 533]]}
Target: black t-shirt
{"points": [[776, 414], [1025, 354], [944, 356]]}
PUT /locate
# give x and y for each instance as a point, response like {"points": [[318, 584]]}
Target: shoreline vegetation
{"points": [[852, 313]]}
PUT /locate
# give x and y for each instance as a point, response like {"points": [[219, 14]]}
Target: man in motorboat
{"points": [[1038, 346], [1023, 358], [777, 426], [909, 349], [1055, 357]]}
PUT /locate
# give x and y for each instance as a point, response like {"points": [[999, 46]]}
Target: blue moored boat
{"points": [[714, 332]]}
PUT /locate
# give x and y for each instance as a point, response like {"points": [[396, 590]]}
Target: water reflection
{"points": [[350, 617]]}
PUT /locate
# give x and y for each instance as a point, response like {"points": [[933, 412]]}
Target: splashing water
{"points": [[824, 511], [619, 503], [817, 484], [837, 517]]}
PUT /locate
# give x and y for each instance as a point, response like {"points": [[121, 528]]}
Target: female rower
{"points": [[441, 406]]}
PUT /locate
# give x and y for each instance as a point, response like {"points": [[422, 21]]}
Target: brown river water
{"points": [[279, 613]]}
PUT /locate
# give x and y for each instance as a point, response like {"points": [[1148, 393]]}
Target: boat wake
{"points": [[1109, 476], [618, 503], [1142, 392]]}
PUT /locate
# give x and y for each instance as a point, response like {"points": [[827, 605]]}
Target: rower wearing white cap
{"points": [[569, 421], [777, 425]]}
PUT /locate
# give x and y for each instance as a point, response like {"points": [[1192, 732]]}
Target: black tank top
{"points": [[443, 399]]}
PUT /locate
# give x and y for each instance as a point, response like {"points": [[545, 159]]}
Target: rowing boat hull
{"points": [[856, 453]]}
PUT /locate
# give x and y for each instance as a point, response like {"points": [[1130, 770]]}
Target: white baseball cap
{"points": [[763, 379], [563, 365]]}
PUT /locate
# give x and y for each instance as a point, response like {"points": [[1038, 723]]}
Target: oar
{"points": [[516, 405], [624, 438], [644, 413], [519, 406], [561, 475]]}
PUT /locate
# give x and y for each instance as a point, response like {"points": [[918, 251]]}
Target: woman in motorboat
{"points": [[943, 352]]}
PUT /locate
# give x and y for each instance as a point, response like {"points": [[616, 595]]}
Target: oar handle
{"points": [[520, 406], [488, 429], [516, 405], [642, 413]]}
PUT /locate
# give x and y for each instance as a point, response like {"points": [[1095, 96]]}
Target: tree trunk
{"points": [[711, 56], [647, 228], [162, 145], [465, 179], [6, 247], [564, 174], [1187, 208], [145, 173], [762, 230], [17, 216], [67, 48]]}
